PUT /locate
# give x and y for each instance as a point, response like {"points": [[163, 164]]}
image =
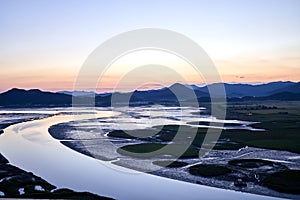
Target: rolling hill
{"points": [[283, 91]]}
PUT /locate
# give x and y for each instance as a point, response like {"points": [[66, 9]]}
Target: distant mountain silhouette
{"points": [[77, 93], [27, 98], [293, 88], [241, 90], [285, 91]]}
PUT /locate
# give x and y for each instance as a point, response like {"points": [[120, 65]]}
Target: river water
{"points": [[28, 145]]}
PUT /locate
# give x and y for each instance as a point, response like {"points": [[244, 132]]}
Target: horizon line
{"points": [[56, 90]]}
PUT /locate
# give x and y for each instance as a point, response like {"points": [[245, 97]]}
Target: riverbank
{"points": [[265, 162], [63, 167], [233, 144], [17, 183]]}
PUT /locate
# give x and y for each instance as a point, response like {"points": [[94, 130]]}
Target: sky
{"points": [[43, 43]]}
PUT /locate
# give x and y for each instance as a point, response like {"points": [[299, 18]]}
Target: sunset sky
{"points": [[45, 42]]}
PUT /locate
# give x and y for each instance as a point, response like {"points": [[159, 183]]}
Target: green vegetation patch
{"points": [[120, 134], [132, 134], [170, 163], [148, 150], [202, 123], [168, 132], [163, 133], [209, 170], [281, 130], [285, 181], [187, 134], [228, 146], [250, 163]]}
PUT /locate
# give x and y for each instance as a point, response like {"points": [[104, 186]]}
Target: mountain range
{"points": [[287, 91]]}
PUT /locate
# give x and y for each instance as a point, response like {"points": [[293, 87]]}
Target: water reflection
{"points": [[29, 146]]}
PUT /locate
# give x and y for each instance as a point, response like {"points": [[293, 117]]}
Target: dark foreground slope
{"points": [[17, 183]]}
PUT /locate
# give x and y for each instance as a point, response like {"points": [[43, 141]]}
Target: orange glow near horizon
{"points": [[235, 69], [44, 45], [139, 70]]}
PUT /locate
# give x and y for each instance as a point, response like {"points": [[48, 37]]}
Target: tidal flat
{"points": [[257, 151], [258, 146]]}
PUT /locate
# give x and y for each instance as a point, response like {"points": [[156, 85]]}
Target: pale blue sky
{"points": [[47, 35]]}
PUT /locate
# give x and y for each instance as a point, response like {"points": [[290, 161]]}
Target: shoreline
{"points": [[142, 184], [186, 177], [66, 132], [17, 183]]}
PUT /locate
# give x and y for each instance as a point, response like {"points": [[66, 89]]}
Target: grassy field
{"points": [[148, 150], [209, 170], [285, 181], [249, 163], [280, 120], [170, 163], [282, 125]]}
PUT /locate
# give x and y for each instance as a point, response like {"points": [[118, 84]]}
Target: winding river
{"points": [[28, 145]]}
